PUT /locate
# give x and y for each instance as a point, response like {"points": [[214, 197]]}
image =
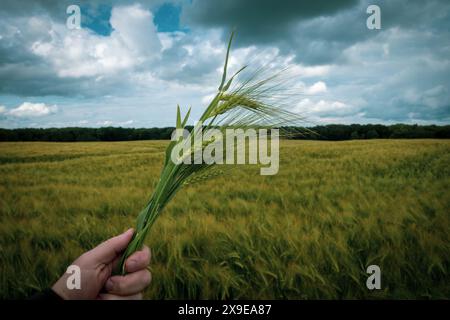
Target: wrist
{"points": [[60, 289]]}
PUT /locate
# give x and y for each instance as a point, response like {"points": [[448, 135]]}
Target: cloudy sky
{"points": [[131, 63]]}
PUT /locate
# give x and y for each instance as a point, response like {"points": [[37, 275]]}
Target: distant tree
{"points": [[354, 135], [400, 131], [372, 134], [328, 132], [442, 132]]}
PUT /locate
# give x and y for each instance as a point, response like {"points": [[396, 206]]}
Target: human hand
{"points": [[96, 267]]}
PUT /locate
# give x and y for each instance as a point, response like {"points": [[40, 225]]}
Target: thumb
{"points": [[111, 248]]}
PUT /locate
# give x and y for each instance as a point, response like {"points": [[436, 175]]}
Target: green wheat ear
{"points": [[241, 107]]}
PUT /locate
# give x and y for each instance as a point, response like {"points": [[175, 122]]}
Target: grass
{"points": [[308, 232]]}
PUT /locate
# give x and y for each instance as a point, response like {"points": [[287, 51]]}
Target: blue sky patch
{"points": [[96, 18], [167, 18]]}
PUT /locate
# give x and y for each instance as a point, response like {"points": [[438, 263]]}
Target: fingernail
{"points": [[109, 285]]}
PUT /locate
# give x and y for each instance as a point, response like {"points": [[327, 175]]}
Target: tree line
{"points": [[326, 132]]}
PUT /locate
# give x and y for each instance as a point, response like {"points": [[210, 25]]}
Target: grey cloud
{"points": [[416, 14], [394, 74], [177, 64], [315, 31], [254, 17], [265, 22], [399, 86]]}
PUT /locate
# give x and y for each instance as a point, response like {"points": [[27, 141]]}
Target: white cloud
{"points": [[316, 88], [81, 53], [167, 39], [133, 26], [312, 71], [126, 123], [324, 107], [2, 109], [105, 123], [29, 109], [110, 123]]}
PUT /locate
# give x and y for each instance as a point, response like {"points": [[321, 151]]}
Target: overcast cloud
{"points": [[131, 63]]}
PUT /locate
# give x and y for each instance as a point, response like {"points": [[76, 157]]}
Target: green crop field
{"points": [[308, 232]]}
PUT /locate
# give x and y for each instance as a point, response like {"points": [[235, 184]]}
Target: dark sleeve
{"points": [[46, 295]]}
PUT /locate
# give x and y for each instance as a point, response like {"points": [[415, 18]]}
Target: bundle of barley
{"points": [[241, 107]]}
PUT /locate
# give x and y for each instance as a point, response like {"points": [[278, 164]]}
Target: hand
{"points": [[96, 266]]}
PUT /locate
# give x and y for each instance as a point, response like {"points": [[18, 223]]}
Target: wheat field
{"points": [[308, 232]]}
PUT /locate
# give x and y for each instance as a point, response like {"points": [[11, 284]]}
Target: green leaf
{"points": [[141, 217], [186, 117], [169, 152], [178, 117], [224, 76]]}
